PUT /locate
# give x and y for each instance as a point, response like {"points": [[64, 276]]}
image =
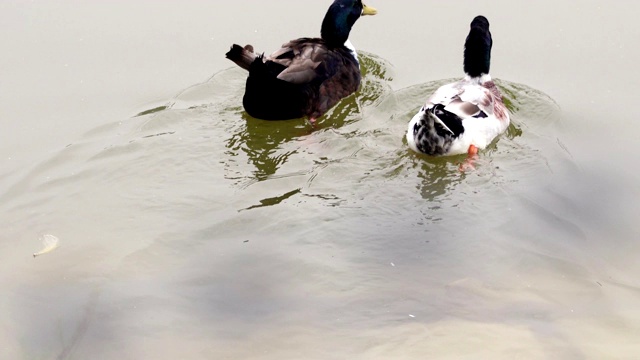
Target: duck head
{"points": [[339, 20]]}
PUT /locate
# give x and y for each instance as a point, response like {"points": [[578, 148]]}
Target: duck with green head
{"points": [[307, 76]]}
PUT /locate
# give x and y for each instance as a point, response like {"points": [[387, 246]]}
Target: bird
{"points": [[467, 115], [306, 76]]}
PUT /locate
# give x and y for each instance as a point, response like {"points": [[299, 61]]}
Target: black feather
{"points": [[477, 48], [451, 120], [431, 137], [243, 57]]}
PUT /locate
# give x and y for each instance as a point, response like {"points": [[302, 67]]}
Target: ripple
{"points": [[529, 145], [200, 150]]}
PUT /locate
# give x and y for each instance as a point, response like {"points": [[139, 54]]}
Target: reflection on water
{"points": [[261, 146], [531, 110], [268, 145], [274, 200]]}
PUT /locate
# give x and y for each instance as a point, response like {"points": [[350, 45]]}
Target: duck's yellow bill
{"points": [[368, 10]]}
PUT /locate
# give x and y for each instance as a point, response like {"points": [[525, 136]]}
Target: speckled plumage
{"points": [[307, 76], [466, 114]]}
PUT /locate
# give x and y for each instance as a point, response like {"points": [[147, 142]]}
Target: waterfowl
{"points": [[467, 115], [307, 76]]}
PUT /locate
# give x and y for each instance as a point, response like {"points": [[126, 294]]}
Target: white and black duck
{"points": [[467, 115], [307, 76]]}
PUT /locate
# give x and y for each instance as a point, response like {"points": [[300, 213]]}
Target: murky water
{"points": [[189, 230]]}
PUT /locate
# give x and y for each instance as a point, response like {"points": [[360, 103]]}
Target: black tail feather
{"points": [[242, 56]]}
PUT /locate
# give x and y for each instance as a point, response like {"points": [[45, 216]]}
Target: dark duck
{"points": [[467, 115], [307, 76]]}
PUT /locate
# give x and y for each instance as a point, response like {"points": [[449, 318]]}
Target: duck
{"points": [[467, 115], [305, 77]]}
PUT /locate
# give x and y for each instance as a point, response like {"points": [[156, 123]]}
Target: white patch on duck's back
{"points": [[352, 49], [483, 131], [476, 95], [444, 94], [479, 132]]}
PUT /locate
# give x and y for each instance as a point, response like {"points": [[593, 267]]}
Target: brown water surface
{"points": [[190, 230]]}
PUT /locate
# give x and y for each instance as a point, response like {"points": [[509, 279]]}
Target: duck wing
{"points": [[464, 99], [303, 61]]}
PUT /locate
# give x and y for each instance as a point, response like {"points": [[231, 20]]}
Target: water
{"points": [[189, 230]]}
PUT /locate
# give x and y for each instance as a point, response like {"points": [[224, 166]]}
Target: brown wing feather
{"points": [[343, 82], [471, 101], [499, 108], [301, 58], [325, 74]]}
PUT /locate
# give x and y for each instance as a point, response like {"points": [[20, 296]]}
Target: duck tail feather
{"points": [[242, 56]]}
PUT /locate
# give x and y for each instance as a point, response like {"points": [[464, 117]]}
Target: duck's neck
{"points": [[478, 79], [477, 51], [337, 25]]}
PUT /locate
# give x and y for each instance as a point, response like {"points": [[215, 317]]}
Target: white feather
{"points": [[410, 139], [49, 243], [352, 49]]}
